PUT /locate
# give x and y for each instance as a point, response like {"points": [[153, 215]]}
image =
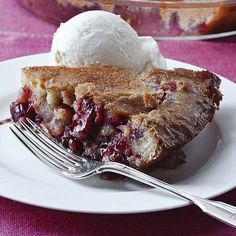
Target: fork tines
{"points": [[45, 148]]}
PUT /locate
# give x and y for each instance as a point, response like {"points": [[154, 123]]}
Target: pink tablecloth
{"points": [[23, 34]]}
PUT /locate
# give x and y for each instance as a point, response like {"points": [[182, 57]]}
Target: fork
{"points": [[53, 154]]}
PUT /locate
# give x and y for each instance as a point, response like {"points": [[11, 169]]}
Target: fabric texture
{"points": [[21, 34]]}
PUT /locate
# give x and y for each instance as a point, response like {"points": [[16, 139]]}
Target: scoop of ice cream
{"points": [[151, 54], [99, 37]]}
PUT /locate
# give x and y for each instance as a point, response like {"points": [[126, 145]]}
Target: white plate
{"points": [[209, 171]]}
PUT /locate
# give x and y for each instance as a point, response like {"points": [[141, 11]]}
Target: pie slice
{"points": [[109, 113]]}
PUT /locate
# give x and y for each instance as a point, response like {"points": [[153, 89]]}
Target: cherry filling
{"points": [[23, 107], [87, 120], [86, 127], [117, 149], [88, 117], [169, 86], [85, 130], [69, 141], [202, 27]]}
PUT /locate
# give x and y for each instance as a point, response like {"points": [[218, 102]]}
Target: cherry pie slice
{"points": [[113, 114]]}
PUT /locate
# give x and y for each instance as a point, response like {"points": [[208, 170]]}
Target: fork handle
{"points": [[219, 210]]}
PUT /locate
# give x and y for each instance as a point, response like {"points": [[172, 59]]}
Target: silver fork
{"points": [[76, 167]]}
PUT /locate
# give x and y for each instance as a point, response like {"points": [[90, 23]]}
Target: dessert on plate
{"points": [[110, 113], [110, 98]]}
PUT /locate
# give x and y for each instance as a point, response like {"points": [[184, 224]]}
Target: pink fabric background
{"points": [[23, 34]]}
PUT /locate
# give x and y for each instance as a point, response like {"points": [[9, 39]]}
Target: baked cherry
{"points": [[69, 141], [89, 117], [22, 107], [20, 110], [118, 149], [170, 86]]}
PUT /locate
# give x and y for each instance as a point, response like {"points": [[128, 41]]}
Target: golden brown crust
{"points": [[62, 77], [121, 89], [169, 106], [111, 83]]}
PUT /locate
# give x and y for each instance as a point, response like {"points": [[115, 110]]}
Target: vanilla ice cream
{"points": [[99, 37]]}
